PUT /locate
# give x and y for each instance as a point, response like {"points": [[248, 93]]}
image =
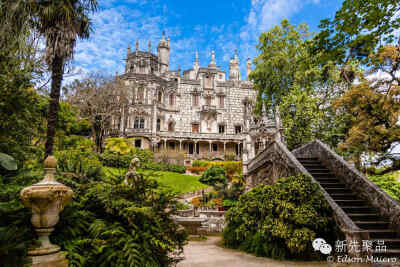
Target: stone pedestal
{"points": [[46, 199]]}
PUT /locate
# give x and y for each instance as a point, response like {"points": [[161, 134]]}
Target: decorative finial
{"points": [[236, 53], [197, 57], [50, 162], [169, 40], [137, 45], [163, 36], [129, 49], [149, 46]]}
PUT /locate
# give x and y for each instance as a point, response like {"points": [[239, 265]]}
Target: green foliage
{"points": [[358, 29], [8, 162], [388, 183], [119, 145], [280, 220], [284, 63], [16, 232], [79, 164], [110, 224], [75, 142], [200, 163], [213, 176]]}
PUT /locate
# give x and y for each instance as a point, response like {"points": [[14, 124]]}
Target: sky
{"points": [[205, 25]]}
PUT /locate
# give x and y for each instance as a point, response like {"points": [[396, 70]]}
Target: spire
{"points": [[149, 46], [129, 49], [169, 40], [236, 54], [212, 63], [163, 36], [137, 45], [248, 68], [196, 60]]}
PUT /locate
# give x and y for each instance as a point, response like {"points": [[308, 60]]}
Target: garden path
{"points": [[209, 254]]}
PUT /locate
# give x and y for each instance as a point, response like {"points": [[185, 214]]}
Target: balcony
{"points": [[137, 131], [208, 109]]}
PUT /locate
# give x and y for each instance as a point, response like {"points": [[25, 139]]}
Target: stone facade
{"points": [[199, 112]]}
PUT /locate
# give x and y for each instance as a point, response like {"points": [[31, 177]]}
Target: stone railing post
{"points": [[46, 199]]}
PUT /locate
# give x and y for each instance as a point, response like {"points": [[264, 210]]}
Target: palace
{"points": [[200, 112]]}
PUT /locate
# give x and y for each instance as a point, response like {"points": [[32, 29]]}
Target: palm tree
{"points": [[61, 22]]}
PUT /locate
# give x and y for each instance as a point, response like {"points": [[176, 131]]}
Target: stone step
{"points": [[333, 185], [365, 216], [358, 209], [317, 170], [338, 191], [381, 233], [350, 202], [308, 165], [328, 180], [372, 224], [323, 175], [343, 196]]}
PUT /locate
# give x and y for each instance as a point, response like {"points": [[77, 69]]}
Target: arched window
{"points": [[141, 125], [136, 123], [170, 126], [158, 125], [171, 99]]}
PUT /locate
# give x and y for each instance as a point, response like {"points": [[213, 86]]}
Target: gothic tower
{"points": [[163, 54]]}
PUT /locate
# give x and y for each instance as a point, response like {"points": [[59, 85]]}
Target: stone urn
{"points": [[47, 199]]}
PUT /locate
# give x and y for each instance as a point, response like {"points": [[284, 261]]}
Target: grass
{"points": [[180, 183]]}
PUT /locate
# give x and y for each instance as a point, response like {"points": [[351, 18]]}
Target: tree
{"points": [[358, 29], [101, 101], [61, 22], [214, 176], [283, 63], [374, 107], [288, 73]]}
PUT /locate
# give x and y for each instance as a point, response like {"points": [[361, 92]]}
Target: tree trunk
{"points": [[57, 71]]}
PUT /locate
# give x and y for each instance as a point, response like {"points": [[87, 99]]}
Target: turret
{"points": [[248, 68], [163, 54], [234, 72], [196, 64]]}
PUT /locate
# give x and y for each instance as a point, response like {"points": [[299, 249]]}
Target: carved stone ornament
{"points": [[47, 199], [131, 176]]}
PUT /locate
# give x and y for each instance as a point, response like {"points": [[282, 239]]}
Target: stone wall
{"points": [[354, 179]]}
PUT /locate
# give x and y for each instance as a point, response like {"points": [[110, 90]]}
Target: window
{"points": [[170, 126], [159, 97], [238, 129], [140, 95], [208, 100], [220, 76], [195, 100], [215, 147], [138, 143], [158, 125], [221, 129], [138, 123], [221, 101], [195, 128], [172, 145], [171, 99]]}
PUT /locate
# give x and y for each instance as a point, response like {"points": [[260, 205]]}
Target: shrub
{"points": [[280, 220], [79, 163], [197, 170], [388, 183], [200, 163], [76, 142], [213, 176]]}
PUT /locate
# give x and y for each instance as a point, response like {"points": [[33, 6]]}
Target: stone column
{"points": [[165, 144], [210, 143], [224, 147], [180, 145]]}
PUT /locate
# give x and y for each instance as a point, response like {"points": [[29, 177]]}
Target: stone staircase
{"points": [[362, 213]]}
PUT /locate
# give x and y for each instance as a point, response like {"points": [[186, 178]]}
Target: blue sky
{"points": [[204, 25]]}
